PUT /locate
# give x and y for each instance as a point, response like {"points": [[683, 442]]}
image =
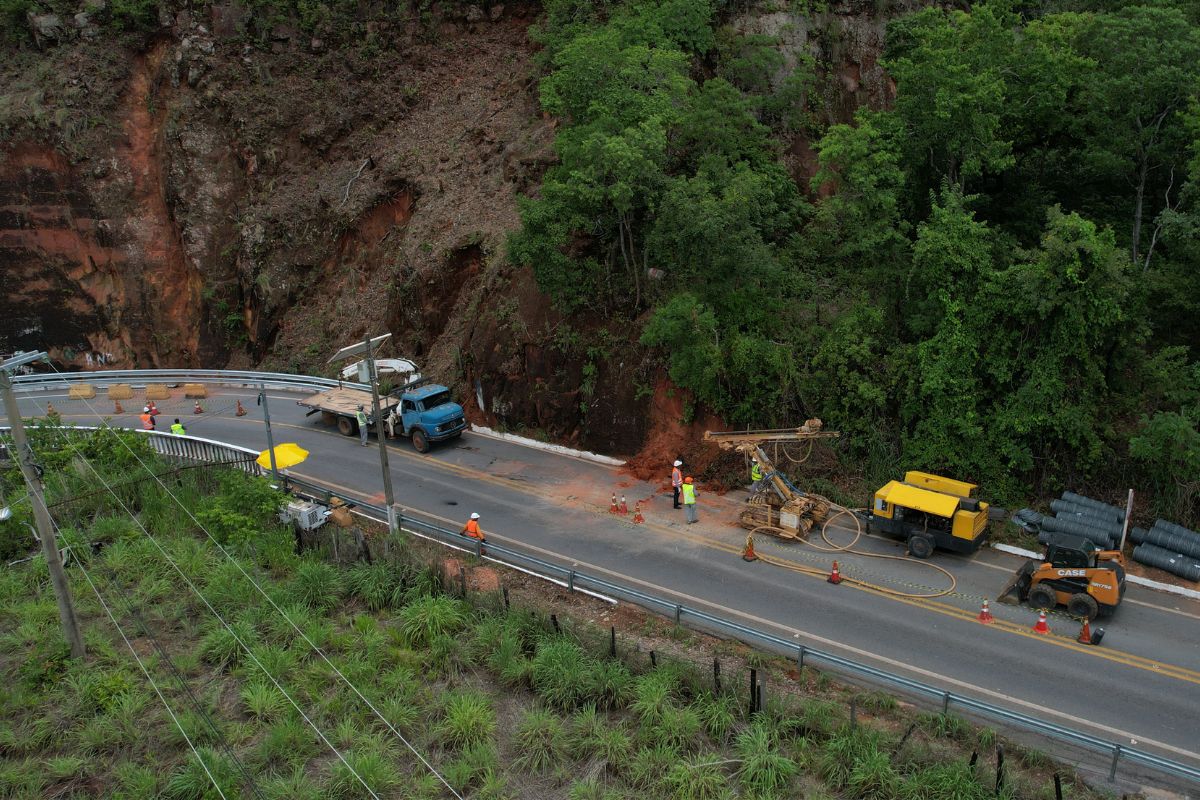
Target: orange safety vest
{"points": [[676, 477], [147, 422], [472, 529]]}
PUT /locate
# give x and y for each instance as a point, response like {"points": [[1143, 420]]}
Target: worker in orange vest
{"points": [[147, 419], [676, 480], [471, 529]]}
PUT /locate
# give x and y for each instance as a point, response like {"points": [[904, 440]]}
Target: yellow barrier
{"points": [[194, 390], [156, 391], [120, 391], [81, 391]]}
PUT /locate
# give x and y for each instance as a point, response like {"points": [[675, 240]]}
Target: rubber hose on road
{"points": [[848, 548]]}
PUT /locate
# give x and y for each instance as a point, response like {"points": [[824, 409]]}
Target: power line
{"points": [[273, 604], [144, 628], [153, 685], [208, 605]]}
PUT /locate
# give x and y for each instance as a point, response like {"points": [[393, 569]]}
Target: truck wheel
{"points": [[1042, 596], [347, 426], [1083, 606], [420, 441], [920, 546]]}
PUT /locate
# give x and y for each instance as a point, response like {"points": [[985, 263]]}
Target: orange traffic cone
{"points": [[834, 575], [117, 409], [624, 505], [748, 553], [153, 409], [1041, 626], [638, 519], [1085, 633], [197, 409], [612, 506], [241, 412], [985, 614]]}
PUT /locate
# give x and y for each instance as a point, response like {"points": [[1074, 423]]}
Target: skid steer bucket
{"points": [[1018, 585]]}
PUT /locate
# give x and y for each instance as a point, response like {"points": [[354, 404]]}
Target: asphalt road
{"points": [[1141, 687]]}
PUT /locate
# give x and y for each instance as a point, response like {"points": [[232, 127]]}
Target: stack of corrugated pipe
{"points": [[1169, 547], [1086, 517]]}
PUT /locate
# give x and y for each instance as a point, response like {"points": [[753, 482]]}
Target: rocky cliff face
{"points": [[199, 198]]}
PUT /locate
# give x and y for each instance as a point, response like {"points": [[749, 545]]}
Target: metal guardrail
{"points": [[141, 377], [804, 655], [190, 448]]}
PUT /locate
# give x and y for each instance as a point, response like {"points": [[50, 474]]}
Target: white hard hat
{"points": [[474, 515], [145, 409], [678, 463]]}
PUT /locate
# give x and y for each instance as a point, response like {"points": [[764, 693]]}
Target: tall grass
{"points": [[317, 585], [764, 770], [468, 719], [699, 778], [429, 617], [540, 741], [562, 673]]}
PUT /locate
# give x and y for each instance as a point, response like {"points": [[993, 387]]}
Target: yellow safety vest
{"points": [[689, 494], [756, 472], [178, 429]]}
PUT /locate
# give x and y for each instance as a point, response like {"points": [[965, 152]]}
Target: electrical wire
{"points": [[274, 605], [208, 605], [153, 685]]}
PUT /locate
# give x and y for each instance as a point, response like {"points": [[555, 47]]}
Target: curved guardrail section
{"points": [[189, 448], [141, 377]]}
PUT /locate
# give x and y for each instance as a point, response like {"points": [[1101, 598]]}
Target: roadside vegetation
{"points": [[500, 702], [992, 277]]}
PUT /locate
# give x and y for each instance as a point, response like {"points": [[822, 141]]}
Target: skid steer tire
{"points": [[1042, 597], [1083, 606], [347, 426], [920, 546]]}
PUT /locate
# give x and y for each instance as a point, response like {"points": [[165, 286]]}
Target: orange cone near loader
{"points": [[1085, 633], [1041, 626], [748, 553], [117, 408], [624, 505], [241, 412], [835, 576], [985, 614], [612, 506], [638, 519], [197, 409]]}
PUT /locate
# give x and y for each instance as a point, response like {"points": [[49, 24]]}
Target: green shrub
{"points": [[764, 769], [296, 786], [468, 719], [290, 741], [221, 646], [375, 769], [317, 585], [509, 663], [472, 766], [698, 779], [263, 701], [653, 694], [378, 585], [540, 741], [843, 752], [718, 714], [426, 618], [649, 765], [562, 673], [612, 684], [943, 781], [191, 780]]}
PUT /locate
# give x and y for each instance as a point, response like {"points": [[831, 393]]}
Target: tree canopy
{"points": [[994, 277]]}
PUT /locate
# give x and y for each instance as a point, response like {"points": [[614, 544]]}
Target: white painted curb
{"points": [[558, 449], [1159, 585]]}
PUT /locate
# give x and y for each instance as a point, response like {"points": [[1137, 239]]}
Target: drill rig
{"points": [[778, 507]]}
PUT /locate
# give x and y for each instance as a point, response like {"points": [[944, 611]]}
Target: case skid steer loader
{"points": [[1074, 572]]}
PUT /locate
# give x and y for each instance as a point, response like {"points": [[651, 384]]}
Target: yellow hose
{"points": [[848, 548]]}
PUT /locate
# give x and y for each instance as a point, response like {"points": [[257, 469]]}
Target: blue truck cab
{"points": [[426, 414]]}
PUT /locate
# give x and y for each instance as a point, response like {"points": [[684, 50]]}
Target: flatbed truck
{"points": [[421, 411]]}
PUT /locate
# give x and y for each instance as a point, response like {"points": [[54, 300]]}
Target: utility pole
{"points": [[262, 401], [41, 514], [380, 436]]}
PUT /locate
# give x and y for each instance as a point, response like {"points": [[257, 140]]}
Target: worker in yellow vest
{"points": [[360, 417], [177, 428], [689, 500], [756, 476]]}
